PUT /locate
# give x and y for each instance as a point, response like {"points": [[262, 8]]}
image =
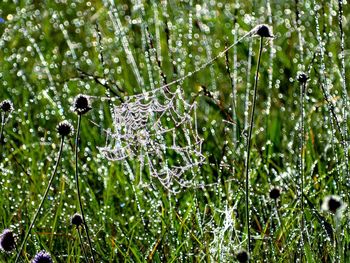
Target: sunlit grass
{"points": [[51, 53]]}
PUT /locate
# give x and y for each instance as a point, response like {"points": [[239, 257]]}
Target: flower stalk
{"points": [[249, 146], [42, 201]]}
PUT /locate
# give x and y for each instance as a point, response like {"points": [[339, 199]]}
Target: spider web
{"points": [[158, 129]]}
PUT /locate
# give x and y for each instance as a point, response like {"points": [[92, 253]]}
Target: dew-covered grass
{"points": [[162, 154]]}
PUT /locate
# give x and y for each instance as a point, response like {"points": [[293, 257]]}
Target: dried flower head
{"points": [[6, 106], [302, 77], [275, 193], [263, 31], [81, 104], [64, 128], [7, 241], [42, 257], [242, 256], [333, 204], [77, 220]]}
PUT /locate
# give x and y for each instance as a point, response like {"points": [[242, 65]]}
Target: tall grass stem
{"points": [[301, 161], [78, 188], [249, 146], [42, 201], [82, 245], [2, 127]]}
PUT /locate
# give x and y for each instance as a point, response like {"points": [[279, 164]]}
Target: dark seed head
{"points": [[7, 241], [332, 204], [6, 106], [42, 257], [81, 104], [242, 256], [275, 193], [302, 77], [64, 128], [77, 220], [263, 31]]}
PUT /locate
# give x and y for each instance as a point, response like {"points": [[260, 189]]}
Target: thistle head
{"points": [[302, 77], [242, 256], [263, 31], [332, 204], [7, 241], [6, 106], [77, 220], [64, 128], [81, 104], [275, 193], [42, 257]]}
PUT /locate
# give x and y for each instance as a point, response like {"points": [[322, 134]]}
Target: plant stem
{"points": [[1, 133], [344, 96], [339, 247], [2, 127], [279, 218], [249, 145], [78, 189], [301, 162], [42, 201], [82, 245]]}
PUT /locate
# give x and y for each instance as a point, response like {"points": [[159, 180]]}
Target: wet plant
{"points": [[81, 105], [334, 205], [7, 241], [302, 78], [6, 107], [344, 93], [77, 221], [262, 31], [64, 130], [42, 257], [161, 174], [242, 256], [275, 193]]}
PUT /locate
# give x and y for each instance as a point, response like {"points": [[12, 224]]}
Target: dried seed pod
{"points": [[275, 193], [64, 128], [332, 203], [302, 77], [42, 257], [81, 104], [6, 106], [242, 256], [7, 241], [77, 220], [263, 31]]}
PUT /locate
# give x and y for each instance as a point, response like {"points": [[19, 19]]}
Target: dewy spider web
{"points": [[158, 129]]}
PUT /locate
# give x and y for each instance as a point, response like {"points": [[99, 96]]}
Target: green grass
{"points": [[47, 52]]}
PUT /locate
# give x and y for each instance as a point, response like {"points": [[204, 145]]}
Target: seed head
{"points": [[275, 193], [42, 257], [242, 256], [7, 241], [6, 106], [332, 203], [263, 31], [64, 128], [77, 220], [81, 104], [302, 77]]}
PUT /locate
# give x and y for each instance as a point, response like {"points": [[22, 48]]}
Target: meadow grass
{"points": [[191, 67]]}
